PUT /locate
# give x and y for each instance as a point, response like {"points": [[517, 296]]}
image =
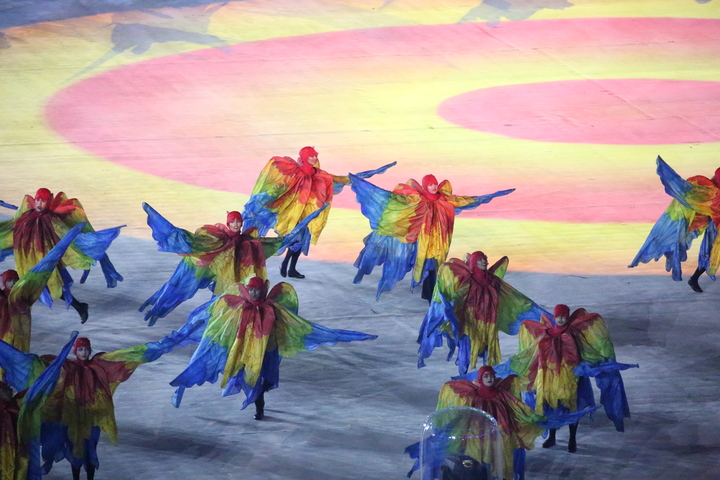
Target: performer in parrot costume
{"points": [[555, 360], [286, 192], [80, 405], [499, 398], [38, 225], [215, 256], [412, 229], [17, 295], [248, 332], [470, 304], [694, 210], [19, 455]]}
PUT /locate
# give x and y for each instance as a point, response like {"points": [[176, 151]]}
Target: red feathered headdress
{"points": [[81, 342], [426, 182], [9, 275], [44, 194], [561, 309], [234, 216]]}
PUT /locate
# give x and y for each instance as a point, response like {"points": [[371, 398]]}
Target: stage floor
{"points": [[180, 103]]}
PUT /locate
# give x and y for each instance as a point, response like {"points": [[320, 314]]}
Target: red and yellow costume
{"points": [[214, 256], [288, 191], [17, 295], [74, 398], [412, 227], [694, 211], [518, 424], [39, 224], [470, 305], [247, 334]]}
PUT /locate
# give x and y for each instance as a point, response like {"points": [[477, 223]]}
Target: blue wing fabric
{"points": [[366, 174], [675, 186], [430, 337], [372, 199], [168, 237], [8, 205], [329, 336], [205, 365], [19, 366], [255, 214], [398, 258], [185, 281], [480, 199], [670, 238], [612, 389], [94, 245]]}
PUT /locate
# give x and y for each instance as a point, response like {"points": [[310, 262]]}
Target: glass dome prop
{"points": [[461, 443]]}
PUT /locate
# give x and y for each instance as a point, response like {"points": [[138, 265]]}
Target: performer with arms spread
{"points": [[286, 192]]}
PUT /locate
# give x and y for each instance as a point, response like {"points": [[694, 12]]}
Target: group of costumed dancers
{"points": [[53, 407]]}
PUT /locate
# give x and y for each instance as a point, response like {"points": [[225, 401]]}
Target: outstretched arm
{"points": [[468, 203], [340, 181]]}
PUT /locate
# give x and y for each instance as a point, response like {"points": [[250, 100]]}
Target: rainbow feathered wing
{"points": [[16, 321], [208, 260], [406, 235], [555, 377], [475, 337], [74, 399], [88, 248], [245, 344], [284, 195], [28, 371], [694, 210], [77, 411]]}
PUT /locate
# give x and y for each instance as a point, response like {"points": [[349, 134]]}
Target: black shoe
{"points": [[259, 415], [82, 309], [295, 274], [572, 446], [550, 442], [693, 282], [283, 270]]}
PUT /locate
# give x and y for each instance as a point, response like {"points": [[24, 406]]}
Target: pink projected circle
{"points": [[609, 111], [214, 117]]}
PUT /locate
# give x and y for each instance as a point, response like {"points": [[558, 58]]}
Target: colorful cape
{"points": [[244, 340], [468, 308], [519, 426], [19, 456], [410, 231], [80, 405], [15, 307], [548, 361], [284, 195], [694, 210], [32, 234], [213, 257]]}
